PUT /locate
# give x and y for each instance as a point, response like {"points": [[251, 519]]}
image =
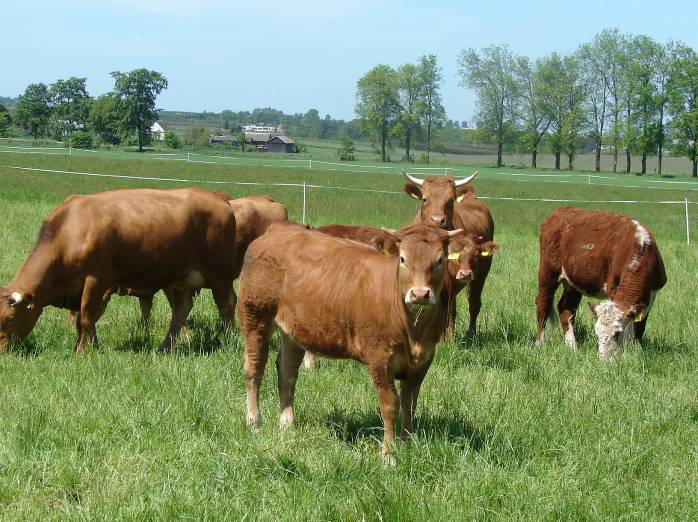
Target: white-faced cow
{"points": [[342, 299], [451, 204], [603, 255], [134, 241]]}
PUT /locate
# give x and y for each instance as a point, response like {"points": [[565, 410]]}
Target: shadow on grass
{"points": [[353, 428], [28, 347]]}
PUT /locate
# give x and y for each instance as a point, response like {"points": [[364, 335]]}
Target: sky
{"points": [[298, 55]]}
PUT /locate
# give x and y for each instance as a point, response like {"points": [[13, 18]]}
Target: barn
{"points": [[281, 144]]}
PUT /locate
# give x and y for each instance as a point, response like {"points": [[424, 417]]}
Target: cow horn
{"points": [[455, 232], [414, 180], [461, 182], [15, 298]]}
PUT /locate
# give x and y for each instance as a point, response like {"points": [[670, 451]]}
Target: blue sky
{"points": [[296, 55]]}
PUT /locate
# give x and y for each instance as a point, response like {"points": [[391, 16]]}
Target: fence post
{"points": [[70, 151], [310, 167], [688, 227], [187, 156], [303, 215], [589, 181]]}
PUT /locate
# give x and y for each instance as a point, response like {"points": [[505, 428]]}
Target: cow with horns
{"points": [[451, 204], [604, 255]]}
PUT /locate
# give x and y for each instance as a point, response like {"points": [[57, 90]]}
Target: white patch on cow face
{"points": [[613, 329]]}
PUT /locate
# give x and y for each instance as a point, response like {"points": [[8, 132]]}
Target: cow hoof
{"points": [[254, 423], [286, 421], [388, 460]]}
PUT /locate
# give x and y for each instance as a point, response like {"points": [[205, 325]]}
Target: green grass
{"points": [[505, 429]]}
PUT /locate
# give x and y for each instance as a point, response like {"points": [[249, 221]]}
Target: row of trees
{"points": [[628, 93], [401, 103], [65, 108]]}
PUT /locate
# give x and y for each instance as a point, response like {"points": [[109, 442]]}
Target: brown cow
{"points": [[381, 240], [253, 215], [142, 240], [465, 264], [604, 255], [342, 299], [451, 204]]}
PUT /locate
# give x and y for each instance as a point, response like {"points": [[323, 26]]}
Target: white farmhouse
{"points": [[157, 131]]}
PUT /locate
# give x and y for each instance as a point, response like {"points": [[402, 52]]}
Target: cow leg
{"points": [[287, 365], [567, 307], [548, 281], [225, 299], [640, 328], [94, 300], [388, 402], [146, 304], [409, 391], [181, 302], [451, 328]]}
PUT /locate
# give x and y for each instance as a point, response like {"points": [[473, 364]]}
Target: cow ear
{"points": [[637, 312], [592, 307], [488, 248], [413, 190], [462, 191]]}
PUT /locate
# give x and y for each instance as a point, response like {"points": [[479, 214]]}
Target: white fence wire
{"points": [[305, 186]]}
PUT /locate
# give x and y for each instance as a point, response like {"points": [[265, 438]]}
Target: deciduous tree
{"points": [[683, 104], [378, 102], [137, 91], [105, 118], [431, 110], [491, 74], [534, 117], [33, 111], [70, 105], [5, 120], [409, 88]]}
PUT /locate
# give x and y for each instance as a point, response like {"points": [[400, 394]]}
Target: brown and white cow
{"points": [[603, 255], [451, 204], [341, 299], [253, 215], [142, 240]]}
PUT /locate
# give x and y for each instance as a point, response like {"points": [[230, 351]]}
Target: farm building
{"points": [[280, 144], [222, 140], [157, 131]]}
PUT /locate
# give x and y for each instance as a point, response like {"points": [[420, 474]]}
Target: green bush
{"points": [[81, 140], [172, 140], [299, 147], [346, 149]]}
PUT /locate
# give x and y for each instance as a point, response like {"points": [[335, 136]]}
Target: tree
{"points": [[491, 74], [5, 120], [172, 140], [683, 104], [33, 111], [596, 101], [378, 102], [312, 123], [346, 149], [241, 141], [409, 88], [535, 118], [137, 91], [70, 105], [431, 110], [664, 59], [105, 118]]}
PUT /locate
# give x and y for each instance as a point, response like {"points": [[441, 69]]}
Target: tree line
{"points": [[65, 110], [627, 93]]}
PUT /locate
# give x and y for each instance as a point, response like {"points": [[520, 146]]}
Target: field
{"points": [[505, 429]]}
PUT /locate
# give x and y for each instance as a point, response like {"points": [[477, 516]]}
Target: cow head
{"points": [[465, 254], [422, 251], [614, 327], [438, 195], [18, 315]]}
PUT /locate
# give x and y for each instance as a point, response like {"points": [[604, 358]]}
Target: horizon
{"points": [[311, 54]]}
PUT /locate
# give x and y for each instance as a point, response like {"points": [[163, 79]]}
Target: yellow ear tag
{"points": [[484, 253], [454, 256], [387, 252], [460, 198], [638, 318], [415, 196]]}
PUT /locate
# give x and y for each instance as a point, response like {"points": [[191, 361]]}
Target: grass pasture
{"points": [[505, 429]]}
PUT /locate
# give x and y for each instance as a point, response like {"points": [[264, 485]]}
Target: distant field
{"points": [[505, 429]]}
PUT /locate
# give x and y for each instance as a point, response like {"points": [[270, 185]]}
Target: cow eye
{"points": [[424, 200], [440, 260], [402, 260]]}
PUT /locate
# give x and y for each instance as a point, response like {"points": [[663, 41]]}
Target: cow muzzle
{"points": [[420, 296], [439, 220], [465, 275]]}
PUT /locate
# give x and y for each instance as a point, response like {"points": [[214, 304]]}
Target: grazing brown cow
{"points": [[604, 255], [134, 241], [465, 262], [378, 238], [253, 215], [452, 204], [342, 299]]}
